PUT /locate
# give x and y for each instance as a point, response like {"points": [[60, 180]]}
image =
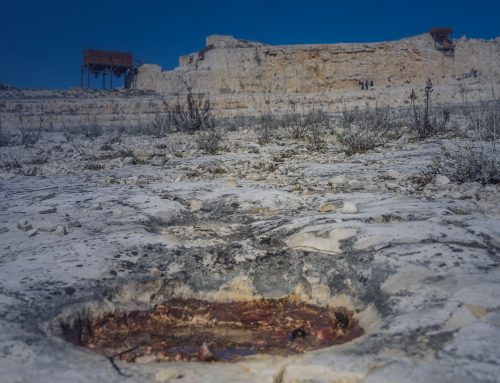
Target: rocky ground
{"points": [[89, 225]]}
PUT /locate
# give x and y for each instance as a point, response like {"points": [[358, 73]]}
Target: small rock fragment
{"points": [[146, 359], [327, 207], [24, 225], [3, 229], [46, 227], [204, 353], [48, 210], [195, 205], [74, 224], [441, 180], [392, 174], [233, 183], [96, 206], [61, 230], [33, 232], [167, 374], [355, 184], [349, 208], [338, 180], [391, 186], [46, 196]]}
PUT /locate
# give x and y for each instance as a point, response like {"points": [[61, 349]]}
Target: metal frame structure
{"points": [[443, 39], [99, 62]]}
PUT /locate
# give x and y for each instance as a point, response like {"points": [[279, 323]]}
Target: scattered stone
{"points": [[338, 180], [24, 225], [392, 174], [233, 183], [116, 212], [74, 224], [46, 227], [167, 374], [96, 206], [106, 147], [204, 353], [33, 232], [3, 229], [391, 186], [48, 210], [195, 205], [355, 184], [146, 359], [46, 196], [128, 161], [61, 230], [441, 180], [327, 207], [349, 208]]}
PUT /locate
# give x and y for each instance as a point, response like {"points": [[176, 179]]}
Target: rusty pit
{"points": [[197, 330]]}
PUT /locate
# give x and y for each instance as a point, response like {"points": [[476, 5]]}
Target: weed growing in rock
{"points": [[363, 129], [484, 120], [211, 139], [29, 137], [474, 163], [5, 139], [192, 115], [426, 123]]}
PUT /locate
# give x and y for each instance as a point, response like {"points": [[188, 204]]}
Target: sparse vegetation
{"points": [[267, 128], [92, 129], [319, 124], [473, 163], [5, 139], [363, 129], [484, 120], [426, 123], [89, 129], [298, 125], [191, 116], [159, 127], [29, 137], [211, 139]]}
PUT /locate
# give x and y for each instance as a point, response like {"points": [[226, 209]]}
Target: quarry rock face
{"points": [[250, 78], [243, 77]]}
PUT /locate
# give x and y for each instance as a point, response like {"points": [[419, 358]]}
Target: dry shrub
{"points": [[29, 137], [484, 120], [428, 122], [5, 138], [211, 139], [192, 115], [363, 129], [471, 163]]}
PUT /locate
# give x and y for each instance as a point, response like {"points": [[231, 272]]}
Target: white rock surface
{"points": [[349, 208]]}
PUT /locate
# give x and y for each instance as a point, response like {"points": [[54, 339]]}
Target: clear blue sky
{"points": [[41, 40]]}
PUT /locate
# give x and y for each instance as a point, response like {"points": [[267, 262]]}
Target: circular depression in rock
{"points": [[197, 330]]}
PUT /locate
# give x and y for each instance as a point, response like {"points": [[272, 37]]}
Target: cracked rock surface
{"points": [[91, 230]]}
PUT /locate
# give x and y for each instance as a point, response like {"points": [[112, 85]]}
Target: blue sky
{"points": [[41, 41]]}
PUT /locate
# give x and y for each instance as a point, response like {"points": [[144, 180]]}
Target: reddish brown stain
{"points": [[195, 330]]}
